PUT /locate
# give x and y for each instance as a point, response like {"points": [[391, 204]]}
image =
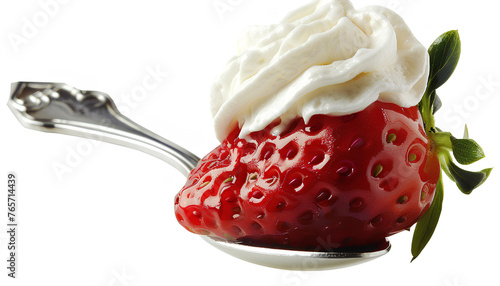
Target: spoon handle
{"points": [[60, 108]]}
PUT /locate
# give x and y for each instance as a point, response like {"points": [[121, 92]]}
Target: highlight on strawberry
{"points": [[337, 181]]}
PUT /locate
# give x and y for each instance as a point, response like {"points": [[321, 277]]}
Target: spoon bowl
{"points": [[60, 108], [300, 260]]}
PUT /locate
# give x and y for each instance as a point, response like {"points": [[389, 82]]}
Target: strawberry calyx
{"points": [[444, 54]]}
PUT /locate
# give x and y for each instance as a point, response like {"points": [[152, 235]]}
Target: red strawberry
{"points": [[335, 181]]}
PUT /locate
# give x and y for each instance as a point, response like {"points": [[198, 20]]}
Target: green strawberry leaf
{"points": [[444, 54], [466, 151], [436, 104], [427, 224], [466, 132], [467, 181]]}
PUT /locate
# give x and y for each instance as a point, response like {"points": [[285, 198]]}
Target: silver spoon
{"points": [[60, 108]]}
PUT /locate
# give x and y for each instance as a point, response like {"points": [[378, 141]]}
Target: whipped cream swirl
{"points": [[324, 58]]}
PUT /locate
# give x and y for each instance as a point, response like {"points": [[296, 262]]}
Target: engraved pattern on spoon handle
{"points": [[60, 108]]}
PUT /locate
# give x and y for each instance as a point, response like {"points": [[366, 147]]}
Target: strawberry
{"points": [[337, 181], [334, 182]]}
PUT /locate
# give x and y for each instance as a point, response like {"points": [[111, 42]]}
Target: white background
{"points": [[108, 218]]}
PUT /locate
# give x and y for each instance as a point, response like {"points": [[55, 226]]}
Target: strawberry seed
{"points": [[377, 170], [316, 159], [257, 194], [391, 138], [412, 157], [357, 144], [344, 171], [401, 219], [377, 221], [252, 177], [402, 199]]}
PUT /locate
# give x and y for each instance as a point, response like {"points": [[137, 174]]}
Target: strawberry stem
{"points": [[442, 140], [425, 107]]}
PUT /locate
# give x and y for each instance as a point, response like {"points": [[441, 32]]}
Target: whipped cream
{"points": [[324, 58]]}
